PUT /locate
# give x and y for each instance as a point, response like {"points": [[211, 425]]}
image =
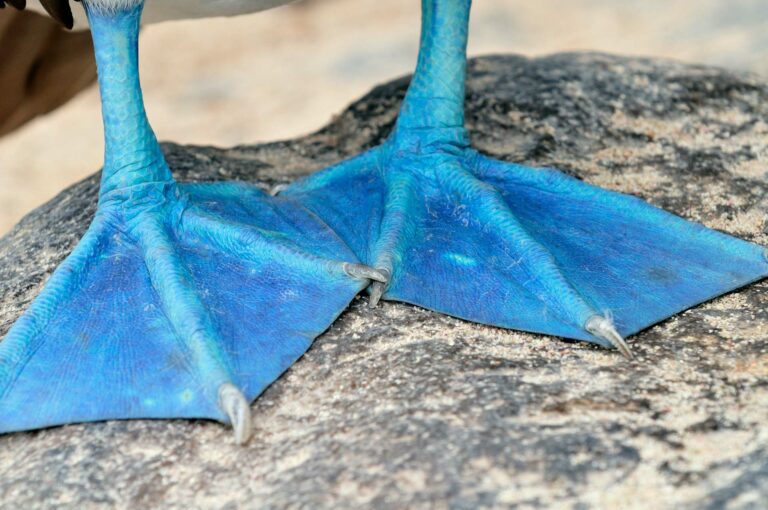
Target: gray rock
{"points": [[403, 407]]}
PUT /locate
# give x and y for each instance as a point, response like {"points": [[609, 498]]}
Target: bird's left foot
{"points": [[517, 247]]}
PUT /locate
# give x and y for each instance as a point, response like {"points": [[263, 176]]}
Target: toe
{"points": [[363, 272]]}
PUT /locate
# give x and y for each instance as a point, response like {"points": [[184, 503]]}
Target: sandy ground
{"points": [[285, 72]]}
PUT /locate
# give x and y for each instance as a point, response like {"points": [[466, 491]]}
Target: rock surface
{"points": [[400, 407]]}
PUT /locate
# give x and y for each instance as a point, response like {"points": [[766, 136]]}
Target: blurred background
{"points": [[283, 73]]}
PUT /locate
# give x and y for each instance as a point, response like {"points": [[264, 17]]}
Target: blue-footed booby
{"points": [[188, 300]]}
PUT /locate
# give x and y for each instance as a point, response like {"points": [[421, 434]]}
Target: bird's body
{"points": [[188, 300], [156, 11]]}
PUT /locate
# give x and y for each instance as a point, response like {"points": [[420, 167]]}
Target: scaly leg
{"points": [[180, 300], [504, 244]]}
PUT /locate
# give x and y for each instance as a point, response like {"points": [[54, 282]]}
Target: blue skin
{"points": [[504, 244], [180, 300], [177, 291]]}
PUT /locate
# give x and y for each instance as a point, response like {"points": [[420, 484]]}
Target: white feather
{"points": [[156, 11]]}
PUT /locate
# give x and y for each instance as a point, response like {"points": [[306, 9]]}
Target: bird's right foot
{"points": [[180, 301]]}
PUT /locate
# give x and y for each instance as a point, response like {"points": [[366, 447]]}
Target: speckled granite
{"points": [[400, 407]]}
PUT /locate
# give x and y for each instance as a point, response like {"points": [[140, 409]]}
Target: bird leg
{"points": [[181, 300]]}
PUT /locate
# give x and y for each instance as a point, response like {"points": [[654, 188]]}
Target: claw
{"points": [[364, 272], [277, 189], [233, 403], [603, 328], [377, 288], [376, 291]]}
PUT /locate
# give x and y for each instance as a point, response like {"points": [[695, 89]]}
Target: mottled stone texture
{"points": [[402, 407]]}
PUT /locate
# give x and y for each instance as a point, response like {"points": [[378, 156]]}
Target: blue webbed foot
{"points": [[518, 247], [180, 301], [507, 245]]}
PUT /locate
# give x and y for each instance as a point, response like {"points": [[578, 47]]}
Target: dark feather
{"points": [[41, 66], [19, 4], [59, 10]]}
